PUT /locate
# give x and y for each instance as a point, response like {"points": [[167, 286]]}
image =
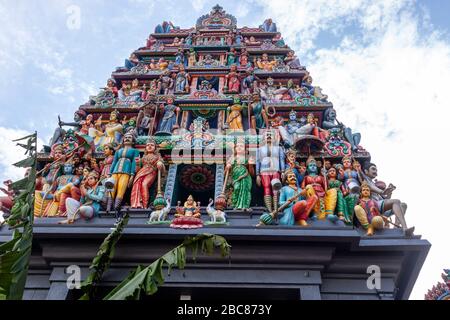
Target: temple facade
{"points": [[220, 129]]}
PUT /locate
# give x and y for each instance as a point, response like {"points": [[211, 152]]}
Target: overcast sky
{"points": [[384, 64]]}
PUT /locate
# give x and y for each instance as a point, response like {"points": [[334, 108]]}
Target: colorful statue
{"points": [[65, 186], [382, 198], [131, 62], [231, 57], [123, 170], [330, 122], [292, 61], [326, 205], [234, 120], [170, 117], [238, 168], [250, 82], [270, 162], [341, 205], [367, 212], [268, 26], [52, 170], [108, 153], [243, 59], [182, 80], [160, 214], [145, 119], [179, 57], [264, 63], [192, 57], [259, 118], [111, 134], [92, 194], [151, 164], [59, 133], [294, 166], [232, 80], [295, 210], [166, 83], [188, 216], [131, 95]]}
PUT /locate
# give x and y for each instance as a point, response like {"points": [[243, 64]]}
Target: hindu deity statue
{"points": [[182, 80], [192, 57], [259, 118], [296, 210], [145, 119], [326, 204], [231, 57], [132, 61], [251, 41], [351, 182], [150, 164], [341, 205], [52, 170], [270, 162], [292, 61], [90, 203], [59, 133], [330, 122], [65, 186], [151, 91], [108, 153], [130, 95], [264, 63], [232, 80], [368, 213], [189, 39], [382, 197], [250, 82], [170, 117], [243, 59], [166, 83], [163, 64], [188, 216], [180, 57], [123, 170], [234, 120], [268, 26], [238, 39], [239, 168], [292, 164], [269, 91], [111, 134]]}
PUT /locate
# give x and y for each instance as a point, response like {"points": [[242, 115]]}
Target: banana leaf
{"points": [[147, 280]]}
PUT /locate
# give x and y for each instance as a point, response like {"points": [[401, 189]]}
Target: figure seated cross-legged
{"points": [[297, 210], [368, 213], [92, 193], [382, 197]]}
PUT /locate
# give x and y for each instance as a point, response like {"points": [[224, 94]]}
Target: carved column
{"points": [[220, 169]]}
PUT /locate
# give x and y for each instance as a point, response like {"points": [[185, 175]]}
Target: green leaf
{"points": [[148, 279], [25, 163]]}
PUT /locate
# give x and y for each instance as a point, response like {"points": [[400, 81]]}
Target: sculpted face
{"points": [[347, 163], [85, 172], [58, 154], [150, 147], [79, 170], [291, 178], [91, 181], [270, 81], [128, 139], [113, 116], [312, 167], [332, 173], [365, 192], [292, 116], [68, 168], [107, 151], [332, 115], [291, 157], [372, 172], [76, 117]]}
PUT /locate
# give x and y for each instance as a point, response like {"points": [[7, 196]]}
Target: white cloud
{"points": [[390, 83]]}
